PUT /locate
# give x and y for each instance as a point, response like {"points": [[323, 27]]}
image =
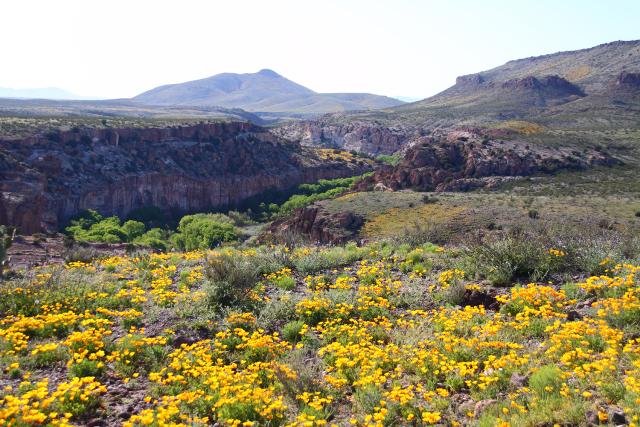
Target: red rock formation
{"points": [[317, 225], [45, 180], [469, 162]]}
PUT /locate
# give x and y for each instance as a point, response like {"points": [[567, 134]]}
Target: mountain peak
{"points": [[264, 91], [268, 73]]}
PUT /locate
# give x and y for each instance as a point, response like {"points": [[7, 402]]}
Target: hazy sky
{"points": [[118, 48]]}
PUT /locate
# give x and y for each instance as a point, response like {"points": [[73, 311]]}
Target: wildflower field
{"points": [[379, 335]]}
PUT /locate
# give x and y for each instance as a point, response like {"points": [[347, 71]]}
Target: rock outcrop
{"points": [[470, 80], [317, 225], [554, 84], [628, 80], [45, 180], [471, 161], [363, 137]]}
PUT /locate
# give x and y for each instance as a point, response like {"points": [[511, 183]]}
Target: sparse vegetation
{"points": [[7, 235]]}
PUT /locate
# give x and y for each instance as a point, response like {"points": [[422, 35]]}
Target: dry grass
{"points": [[396, 221], [521, 126]]}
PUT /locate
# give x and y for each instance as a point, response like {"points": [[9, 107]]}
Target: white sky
{"points": [[414, 48]]}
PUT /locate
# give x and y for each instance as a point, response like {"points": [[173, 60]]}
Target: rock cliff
{"points": [[466, 160], [46, 179], [360, 136]]}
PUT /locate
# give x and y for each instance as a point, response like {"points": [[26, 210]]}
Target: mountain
{"points": [[547, 98], [531, 86], [264, 91], [38, 93]]}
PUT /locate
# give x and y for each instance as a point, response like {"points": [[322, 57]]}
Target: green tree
{"points": [[204, 231], [133, 229]]}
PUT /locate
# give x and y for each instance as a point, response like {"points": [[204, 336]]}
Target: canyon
{"points": [[47, 179]]}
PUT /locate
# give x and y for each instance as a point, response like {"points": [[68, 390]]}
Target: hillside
{"points": [[264, 91], [590, 91]]}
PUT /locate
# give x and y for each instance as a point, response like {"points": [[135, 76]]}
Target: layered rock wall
{"points": [[46, 180]]}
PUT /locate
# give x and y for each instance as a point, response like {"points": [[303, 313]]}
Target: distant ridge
{"points": [[264, 91], [603, 80], [39, 93]]}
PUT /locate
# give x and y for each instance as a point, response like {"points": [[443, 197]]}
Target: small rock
{"points": [[617, 416], [573, 315], [592, 418], [96, 422], [518, 380]]}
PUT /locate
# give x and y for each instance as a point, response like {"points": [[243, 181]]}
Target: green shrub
{"points": [[90, 226], [287, 283], [507, 259], [546, 381], [204, 231], [307, 194], [231, 279], [86, 368], [291, 331], [392, 160], [155, 238], [133, 229]]}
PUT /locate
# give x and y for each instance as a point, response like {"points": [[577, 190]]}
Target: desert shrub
{"points": [[291, 331], [277, 311], [6, 239], [426, 199], [412, 296], [452, 295], [81, 253], [133, 229], [509, 258], [533, 214], [204, 231], [231, 280]]}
